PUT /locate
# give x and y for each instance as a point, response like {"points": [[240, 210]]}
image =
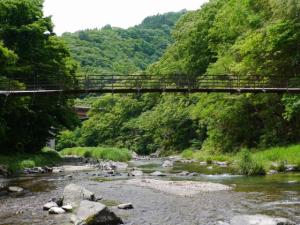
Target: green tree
{"points": [[31, 51]]}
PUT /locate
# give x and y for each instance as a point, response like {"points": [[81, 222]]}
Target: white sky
{"points": [[73, 15]]}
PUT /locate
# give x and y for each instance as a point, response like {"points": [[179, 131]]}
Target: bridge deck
{"points": [[152, 84]]}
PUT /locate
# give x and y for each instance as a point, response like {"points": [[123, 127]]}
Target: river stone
{"points": [[73, 194], [168, 163], [15, 189], [49, 205], [125, 206], [136, 173], [56, 210], [67, 208], [94, 213], [290, 168], [158, 174], [184, 173], [259, 220]]}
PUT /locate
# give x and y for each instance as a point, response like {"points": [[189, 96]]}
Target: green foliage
{"points": [[17, 162], [105, 153], [29, 50], [187, 154], [66, 139], [248, 166], [251, 38], [112, 50]]}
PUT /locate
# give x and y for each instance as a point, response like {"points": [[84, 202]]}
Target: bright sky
{"points": [[73, 15]]}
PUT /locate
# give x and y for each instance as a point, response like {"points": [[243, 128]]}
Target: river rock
{"points": [[67, 208], [272, 172], [58, 201], [134, 155], [92, 213], [136, 173], [49, 205], [184, 173], [15, 189], [193, 174], [56, 210], [74, 194], [158, 174], [125, 206], [259, 220], [57, 170], [168, 163], [291, 168]]}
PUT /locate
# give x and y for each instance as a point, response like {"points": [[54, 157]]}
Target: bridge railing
{"points": [[112, 83]]}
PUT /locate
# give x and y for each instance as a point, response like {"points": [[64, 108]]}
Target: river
{"points": [[274, 195]]}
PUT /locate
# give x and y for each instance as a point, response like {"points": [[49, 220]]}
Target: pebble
{"points": [[56, 210], [49, 205], [67, 208], [15, 189], [125, 206]]}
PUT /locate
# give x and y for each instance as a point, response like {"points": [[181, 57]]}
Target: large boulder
{"points": [[259, 220], [94, 213], [74, 194]]}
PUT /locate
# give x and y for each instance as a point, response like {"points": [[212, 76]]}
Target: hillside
{"points": [[123, 51]]}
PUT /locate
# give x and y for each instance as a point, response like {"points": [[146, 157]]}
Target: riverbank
{"points": [[154, 203], [19, 161], [255, 162], [103, 153]]}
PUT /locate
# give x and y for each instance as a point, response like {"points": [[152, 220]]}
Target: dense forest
{"points": [[223, 37], [29, 50], [113, 50]]}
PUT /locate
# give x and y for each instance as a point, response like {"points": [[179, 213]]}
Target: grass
{"points": [[105, 153], [254, 162], [279, 155], [205, 156], [19, 161]]}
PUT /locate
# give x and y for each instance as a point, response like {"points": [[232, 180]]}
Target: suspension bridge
{"points": [[149, 84]]}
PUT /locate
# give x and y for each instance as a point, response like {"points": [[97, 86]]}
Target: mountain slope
{"points": [[122, 51]]}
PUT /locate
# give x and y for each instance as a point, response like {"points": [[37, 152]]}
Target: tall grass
{"points": [[19, 161], [253, 162], [205, 156], [105, 153]]}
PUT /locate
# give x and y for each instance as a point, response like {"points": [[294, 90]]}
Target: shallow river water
{"points": [[275, 195]]}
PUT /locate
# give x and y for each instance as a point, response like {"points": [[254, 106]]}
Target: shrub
{"points": [[87, 154], [247, 166], [188, 154]]}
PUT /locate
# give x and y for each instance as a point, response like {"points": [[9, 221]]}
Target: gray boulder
{"points": [[74, 194], [94, 213], [259, 220]]}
